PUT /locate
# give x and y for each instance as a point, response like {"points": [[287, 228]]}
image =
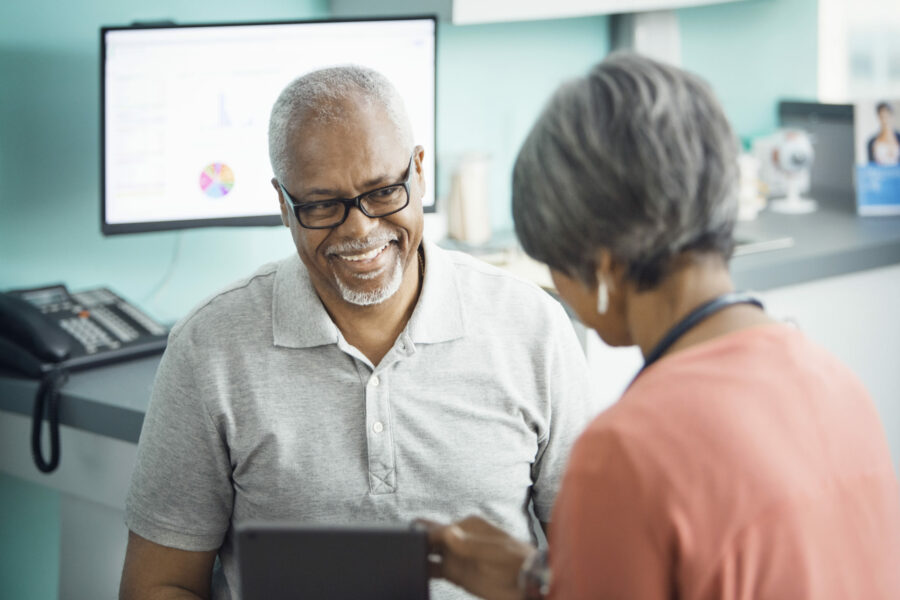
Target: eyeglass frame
{"points": [[350, 202]]}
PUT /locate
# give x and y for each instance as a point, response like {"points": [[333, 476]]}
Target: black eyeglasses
{"points": [[327, 214]]}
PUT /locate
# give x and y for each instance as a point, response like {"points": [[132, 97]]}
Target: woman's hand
{"points": [[478, 557]]}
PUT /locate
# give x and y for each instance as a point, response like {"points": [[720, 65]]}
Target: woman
{"points": [[884, 146], [743, 461]]}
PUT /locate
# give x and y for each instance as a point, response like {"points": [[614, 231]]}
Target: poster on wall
{"points": [[877, 141]]}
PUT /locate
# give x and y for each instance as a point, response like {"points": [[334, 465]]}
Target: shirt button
{"points": [[378, 427], [375, 381], [403, 346]]}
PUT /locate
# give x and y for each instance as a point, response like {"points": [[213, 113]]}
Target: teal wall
{"points": [[492, 82], [49, 158], [753, 53], [29, 540]]}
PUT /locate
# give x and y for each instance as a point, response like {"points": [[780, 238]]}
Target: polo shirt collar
{"points": [[439, 315], [299, 320]]}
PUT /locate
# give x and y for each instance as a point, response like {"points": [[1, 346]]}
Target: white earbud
{"points": [[602, 296]]}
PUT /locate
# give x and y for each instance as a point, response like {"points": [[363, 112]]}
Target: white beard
{"points": [[376, 296]]}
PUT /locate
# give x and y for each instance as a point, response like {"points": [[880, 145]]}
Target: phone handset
{"points": [[28, 339], [38, 346], [46, 332]]}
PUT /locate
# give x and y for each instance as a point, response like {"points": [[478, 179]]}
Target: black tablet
{"points": [[278, 561]]}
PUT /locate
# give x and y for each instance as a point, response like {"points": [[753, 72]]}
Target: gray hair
{"points": [[317, 98], [638, 158]]}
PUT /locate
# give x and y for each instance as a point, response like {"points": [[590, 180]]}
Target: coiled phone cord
{"points": [[46, 403]]}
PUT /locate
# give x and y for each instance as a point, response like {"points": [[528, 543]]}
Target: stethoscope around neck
{"points": [[690, 321]]}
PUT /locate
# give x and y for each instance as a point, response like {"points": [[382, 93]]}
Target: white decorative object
{"points": [[785, 161], [750, 198], [468, 202]]}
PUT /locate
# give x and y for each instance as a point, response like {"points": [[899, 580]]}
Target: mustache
{"points": [[356, 245]]}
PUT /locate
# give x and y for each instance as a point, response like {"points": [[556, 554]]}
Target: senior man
{"points": [[370, 377]]}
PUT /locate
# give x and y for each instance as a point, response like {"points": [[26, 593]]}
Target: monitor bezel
{"points": [[248, 221]]}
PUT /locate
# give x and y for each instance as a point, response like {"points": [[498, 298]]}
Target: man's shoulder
{"points": [[239, 298], [481, 281]]}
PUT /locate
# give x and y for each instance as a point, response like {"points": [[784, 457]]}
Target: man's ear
{"points": [[419, 166], [281, 203]]}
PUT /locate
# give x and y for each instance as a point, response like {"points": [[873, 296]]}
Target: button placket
{"points": [[382, 477]]}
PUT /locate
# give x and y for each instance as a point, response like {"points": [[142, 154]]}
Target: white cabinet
{"points": [[465, 12], [856, 317]]}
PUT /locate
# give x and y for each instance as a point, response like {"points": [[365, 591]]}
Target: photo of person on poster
{"points": [[877, 150], [883, 148]]}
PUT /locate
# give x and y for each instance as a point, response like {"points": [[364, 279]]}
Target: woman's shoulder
{"points": [[738, 350], [710, 405]]}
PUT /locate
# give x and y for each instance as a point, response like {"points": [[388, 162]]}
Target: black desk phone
{"points": [[46, 332]]}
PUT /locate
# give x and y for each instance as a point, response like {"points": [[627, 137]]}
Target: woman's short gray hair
{"points": [[637, 158], [316, 98]]}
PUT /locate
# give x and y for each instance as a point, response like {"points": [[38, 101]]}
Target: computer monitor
{"points": [[185, 111]]}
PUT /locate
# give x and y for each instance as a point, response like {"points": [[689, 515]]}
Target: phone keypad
{"points": [[88, 333], [142, 319], [116, 325]]}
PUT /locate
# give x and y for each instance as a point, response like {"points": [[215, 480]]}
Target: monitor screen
{"points": [[185, 111]]}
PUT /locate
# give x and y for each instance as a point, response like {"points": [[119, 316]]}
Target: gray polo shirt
{"points": [[261, 410]]}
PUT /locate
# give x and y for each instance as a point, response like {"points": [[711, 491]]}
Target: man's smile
{"points": [[365, 255], [365, 263]]}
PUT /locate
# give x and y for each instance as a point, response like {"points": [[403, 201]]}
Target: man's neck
{"points": [[374, 329]]}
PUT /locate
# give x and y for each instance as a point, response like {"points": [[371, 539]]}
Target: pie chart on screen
{"points": [[216, 180]]}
